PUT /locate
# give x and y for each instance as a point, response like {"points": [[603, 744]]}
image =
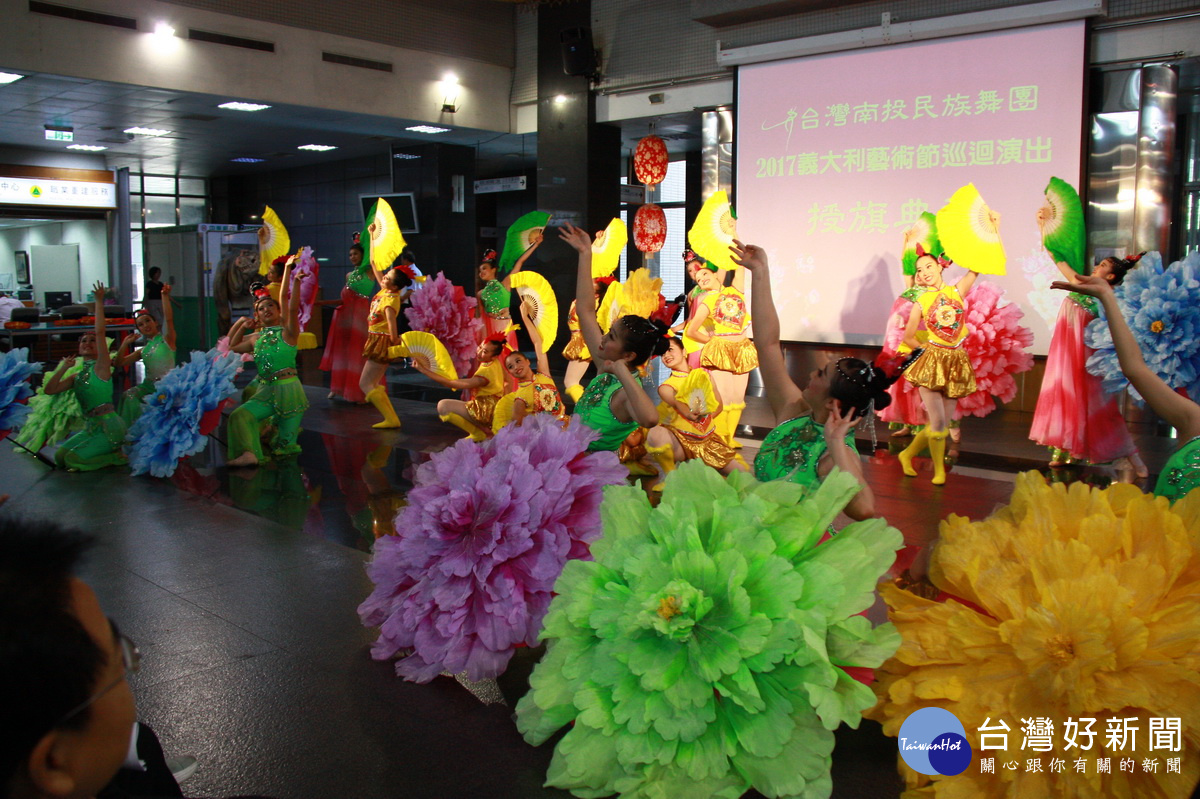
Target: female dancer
{"points": [[614, 404], [347, 334], [814, 427], [383, 334], [495, 295], [576, 352], [280, 397], [536, 391], [486, 386], [158, 354], [683, 434], [1075, 417], [99, 443], [693, 264], [1182, 471], [943, 372], [727, 351]]}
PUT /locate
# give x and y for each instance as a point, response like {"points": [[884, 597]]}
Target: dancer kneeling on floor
{"points": [[614, 404], [280, 397], [99, 443], [486, 386], [815, 427]]}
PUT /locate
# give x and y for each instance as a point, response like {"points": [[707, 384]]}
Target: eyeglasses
{"points": [[131, 658]]}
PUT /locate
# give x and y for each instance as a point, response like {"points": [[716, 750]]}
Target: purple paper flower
{"points": [[488, 528], [443, 309]]}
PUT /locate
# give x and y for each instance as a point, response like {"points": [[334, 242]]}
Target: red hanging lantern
{"points": [[650, 228], [650, 161]]}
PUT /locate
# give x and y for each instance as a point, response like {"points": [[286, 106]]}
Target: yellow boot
{"points": [[575, 392], [379, 398], [465, 425], [937, 451], [919, 442], [664, 456], [734, 417], [379, 456]]}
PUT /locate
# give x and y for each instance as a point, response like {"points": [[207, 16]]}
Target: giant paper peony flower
{"points": [[15, 371], [443, 309], [1162, 307], [53, 417], [996, 345], [1083, 604], [169, 427], [309, 272], [699, 654], [487, 529]]}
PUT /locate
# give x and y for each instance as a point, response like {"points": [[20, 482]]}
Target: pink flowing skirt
{"points": [[906, 406], [344, 344], [1073, 411]]}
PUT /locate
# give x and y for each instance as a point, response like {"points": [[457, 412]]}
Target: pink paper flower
{"points": [[488, 528], [996, 346], [443, 309]]}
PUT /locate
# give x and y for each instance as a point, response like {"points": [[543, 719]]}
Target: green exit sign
{"points": [[60, 135]]}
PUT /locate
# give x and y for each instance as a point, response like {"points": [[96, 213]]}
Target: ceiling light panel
{"points": [[427, 129], [317, 148], [240, 106], [138, 131]]}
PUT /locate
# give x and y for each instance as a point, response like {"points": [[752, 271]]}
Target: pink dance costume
{"points": [[343, 348], [1073, 412]]}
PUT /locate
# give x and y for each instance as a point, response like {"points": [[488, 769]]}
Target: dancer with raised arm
{"points": [[157, 353], [382, 334], [486, 387]]}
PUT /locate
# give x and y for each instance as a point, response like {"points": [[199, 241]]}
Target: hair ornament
{"points": [[489, 257]]}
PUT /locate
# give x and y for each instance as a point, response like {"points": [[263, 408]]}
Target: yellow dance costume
{"points": [[728, 350], [944, 366], [576, 349], [378, 334], [699, 440]]}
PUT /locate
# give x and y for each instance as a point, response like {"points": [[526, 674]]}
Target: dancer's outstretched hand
{"points": [[1091, 285], [749, 255], [839, 425], [576, 237]]}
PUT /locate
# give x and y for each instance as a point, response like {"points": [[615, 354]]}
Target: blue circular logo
{"points": [[933, 741]]}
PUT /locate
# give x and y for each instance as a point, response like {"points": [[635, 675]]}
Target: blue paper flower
{"points": [[1162, 306], [15, 371], [169, 427]]}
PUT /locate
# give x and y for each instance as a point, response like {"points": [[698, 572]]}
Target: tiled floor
{"points": [[241, 590]]}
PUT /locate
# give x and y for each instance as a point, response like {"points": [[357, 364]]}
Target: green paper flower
{"points": [[699, 654]]}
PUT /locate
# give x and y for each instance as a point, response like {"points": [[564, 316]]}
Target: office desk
{"points": [[47, 332]]}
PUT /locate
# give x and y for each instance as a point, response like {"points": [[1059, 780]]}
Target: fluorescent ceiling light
{"points": [[239, 106], [147, 131], [427, 129], [405, 156], [901, 32], [9, 77], [317, 148], [91, 148], [246, 160]]}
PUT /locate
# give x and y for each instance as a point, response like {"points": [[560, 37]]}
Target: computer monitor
{"points": [[57, 299]]}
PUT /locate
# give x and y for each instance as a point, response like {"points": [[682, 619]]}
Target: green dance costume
{"points": [[280, 399], [792, 451], [594, 409], [1181, 473], [159, 359], [495, 298], [98, 444]]}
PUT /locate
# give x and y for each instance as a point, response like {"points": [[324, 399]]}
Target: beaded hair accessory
{"points": [[489, 257], [143, 312]]}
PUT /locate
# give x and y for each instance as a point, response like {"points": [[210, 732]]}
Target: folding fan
{"points": [[503, 414], [610, 307], [923, 232], [607, 248], [1063, 233], [429, 352], [273, 240], [697, 392], [387, 241], [714, 230], [521, 235], [970, 232], [534, 289]]}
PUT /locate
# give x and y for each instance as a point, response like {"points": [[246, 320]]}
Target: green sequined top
{"points": [[1182, 472], [90, 390], [158, 358], [594, 409], [1089, 304], [913, 294], [272, 353], [792, 451], [495, 298]]}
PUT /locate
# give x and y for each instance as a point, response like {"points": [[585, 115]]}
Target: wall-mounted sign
{"points": [[62, 193], [500, 184], [59, 135], [633, 195]]}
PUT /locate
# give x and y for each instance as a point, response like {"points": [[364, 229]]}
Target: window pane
{"points": [[135, 210], [135, 249], [160, 212], [135, 183], [192, 210], [155, 184], [674, 188], [194, 186]]}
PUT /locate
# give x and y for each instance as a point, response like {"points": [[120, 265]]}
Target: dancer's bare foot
{"points": [[902, 432], [1139, 466], [245, 459]]}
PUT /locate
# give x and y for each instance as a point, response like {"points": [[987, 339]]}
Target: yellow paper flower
{"points": [[1087, 605]]}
